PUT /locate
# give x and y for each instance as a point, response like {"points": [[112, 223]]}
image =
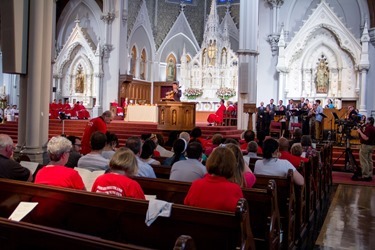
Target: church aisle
{"points": [[350, 222]]}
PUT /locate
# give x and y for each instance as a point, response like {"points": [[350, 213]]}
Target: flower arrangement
{"points": [[225, 93], [192, 93]]}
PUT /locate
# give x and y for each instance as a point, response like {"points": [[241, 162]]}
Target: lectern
{"points": [[250, 108], [176, 115]]}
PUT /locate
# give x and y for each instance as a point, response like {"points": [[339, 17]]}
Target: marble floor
{"points": [[350, 221]]}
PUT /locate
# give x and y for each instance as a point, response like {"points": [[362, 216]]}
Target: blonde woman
{"points": [[123, 165], [243, 176]]}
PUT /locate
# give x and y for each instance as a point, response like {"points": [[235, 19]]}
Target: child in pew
{"points": [[110, 146], [215, 190], [55, 173], [123, 165], [243, 176], [272, 165]]}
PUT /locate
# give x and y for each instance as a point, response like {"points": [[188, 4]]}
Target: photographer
{"points": [[367, 139]]}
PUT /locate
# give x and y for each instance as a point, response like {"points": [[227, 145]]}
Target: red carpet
{"points": [[345, 178]]}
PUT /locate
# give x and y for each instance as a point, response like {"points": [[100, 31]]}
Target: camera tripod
{"points": [[350, 163]]}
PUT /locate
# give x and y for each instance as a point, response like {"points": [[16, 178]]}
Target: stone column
{"points": [[362, 97], [36, 84], [247, 55]]}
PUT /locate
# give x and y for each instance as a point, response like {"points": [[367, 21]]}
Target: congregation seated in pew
{"points": [[10, 169], [94, 160], [243, 175], [117, 181], [144, 169], [272, 165], [179, 148], [220, 193], [286, 155], [55, 173], [190, 169]]}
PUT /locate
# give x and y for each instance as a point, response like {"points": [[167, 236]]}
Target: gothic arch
{"points": [[69, 14]]}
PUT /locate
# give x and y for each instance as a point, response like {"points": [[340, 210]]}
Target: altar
{"points": [[141, 113]]}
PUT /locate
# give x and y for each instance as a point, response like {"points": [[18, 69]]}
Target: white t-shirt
{"points": [[273, 166]]}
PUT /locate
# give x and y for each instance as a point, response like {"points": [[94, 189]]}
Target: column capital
{"points": [[275, 3], [108, 18], [274, 39]]}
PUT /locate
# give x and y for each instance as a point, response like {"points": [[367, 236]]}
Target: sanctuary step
{"points": [[338, 157], [122, 129]]}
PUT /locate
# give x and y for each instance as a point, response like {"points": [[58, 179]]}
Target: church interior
{"points": [[65, 62]]}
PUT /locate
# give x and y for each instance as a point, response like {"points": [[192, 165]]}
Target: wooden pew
{"points": [[123, 219], [287, 204], [162, 171], [23, 235], [264, 212]]}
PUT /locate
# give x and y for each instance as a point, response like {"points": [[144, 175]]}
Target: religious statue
{"points": [[212, 53], [170, 70], [80, 80], [322, 77], [142, 67]]}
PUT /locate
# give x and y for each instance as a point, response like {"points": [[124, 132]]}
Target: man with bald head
{"points": [[286, 155], [96, 124], [9, 168]]}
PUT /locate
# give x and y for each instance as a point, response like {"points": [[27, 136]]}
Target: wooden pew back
{"points": [[287, 205], [264, 212], [123, 220], [23, 235]]}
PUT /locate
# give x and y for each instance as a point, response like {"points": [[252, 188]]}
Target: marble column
{"points": [[248, 57], [36, 84], [362, 97]]}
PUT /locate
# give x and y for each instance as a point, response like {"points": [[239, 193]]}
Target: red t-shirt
{"points": [[214, 192], [59, 176], [118, 185], [295, 160], [96, 124]]}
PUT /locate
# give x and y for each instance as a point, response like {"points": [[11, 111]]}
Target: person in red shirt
{"points": [[218, 116], [55, 173], [96, 124], [123, 165], [286, 155], [219, 193]]}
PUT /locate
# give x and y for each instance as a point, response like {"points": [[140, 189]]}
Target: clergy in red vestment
{"points": [[67, 109], [96, 124], [53, 110], [218, 116]]}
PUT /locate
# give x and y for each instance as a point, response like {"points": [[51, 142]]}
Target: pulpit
{"points": [[176, 115], [250, 108]]}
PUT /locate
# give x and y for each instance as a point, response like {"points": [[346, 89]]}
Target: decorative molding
{"points": [[273, 39], [125, 16], [106, 50], [108, 18], [372, 35]]}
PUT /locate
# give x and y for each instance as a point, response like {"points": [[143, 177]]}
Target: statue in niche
{"points": [[171, 70], [204, 57], [212, 53], [80, 80], [132, 63], [322, 77], [142, 67]]}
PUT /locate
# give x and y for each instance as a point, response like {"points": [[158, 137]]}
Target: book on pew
{"points": [[22, 210], [32, 166], [89, 177]]}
